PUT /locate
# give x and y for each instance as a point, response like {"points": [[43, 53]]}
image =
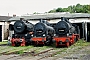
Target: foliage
{"points": [[73, 9]]}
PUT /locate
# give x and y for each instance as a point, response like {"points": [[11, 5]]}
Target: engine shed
{"points": [[4, 27], [84, 25], [81, 19]]}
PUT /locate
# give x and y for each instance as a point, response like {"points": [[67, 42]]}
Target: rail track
{"points": [[40, 53], [47, 53]]}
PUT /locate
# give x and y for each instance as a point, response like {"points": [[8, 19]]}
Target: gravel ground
{"points": [[76, 53]]}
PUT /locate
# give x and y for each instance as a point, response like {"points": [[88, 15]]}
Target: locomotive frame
{"points": [[64, 39], [47, 36], [22, 33]]}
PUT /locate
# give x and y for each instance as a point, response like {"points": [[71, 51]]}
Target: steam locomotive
{"points": [[23, 31], [65, 33], [43, 33]]}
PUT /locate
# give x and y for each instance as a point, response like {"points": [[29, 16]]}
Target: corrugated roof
{"points": [[52, 16], [57, 15], [4, 18]]}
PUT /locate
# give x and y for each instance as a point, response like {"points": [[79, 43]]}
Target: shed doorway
{"points": [[0, 33]]}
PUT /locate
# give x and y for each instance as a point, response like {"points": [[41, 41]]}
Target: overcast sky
{"points": [[20, 7]]}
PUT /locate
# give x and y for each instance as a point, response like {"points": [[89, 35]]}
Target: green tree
{"points": [[65, 9], [59, 10], [79, 8], [85, 9], [70, 9], [73, 9], [88, 8]]}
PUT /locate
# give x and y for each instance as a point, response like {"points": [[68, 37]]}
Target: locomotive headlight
{"points": [[25, 34], [15, 35], [54, 34], [20, 40], [67, 34], [43, 34], [31, 35]]}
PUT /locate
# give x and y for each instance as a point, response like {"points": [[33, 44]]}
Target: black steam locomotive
{"points": [[22, 33], [65, 33], [43, 33]]}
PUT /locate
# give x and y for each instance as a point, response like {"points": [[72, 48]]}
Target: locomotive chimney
{"points": [[21, 18], [14, 15], [41, 20], [63, 18]]}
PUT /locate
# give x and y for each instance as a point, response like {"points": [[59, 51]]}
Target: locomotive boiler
{"points": [[65, 33], [43, 33], [22, 33]]}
